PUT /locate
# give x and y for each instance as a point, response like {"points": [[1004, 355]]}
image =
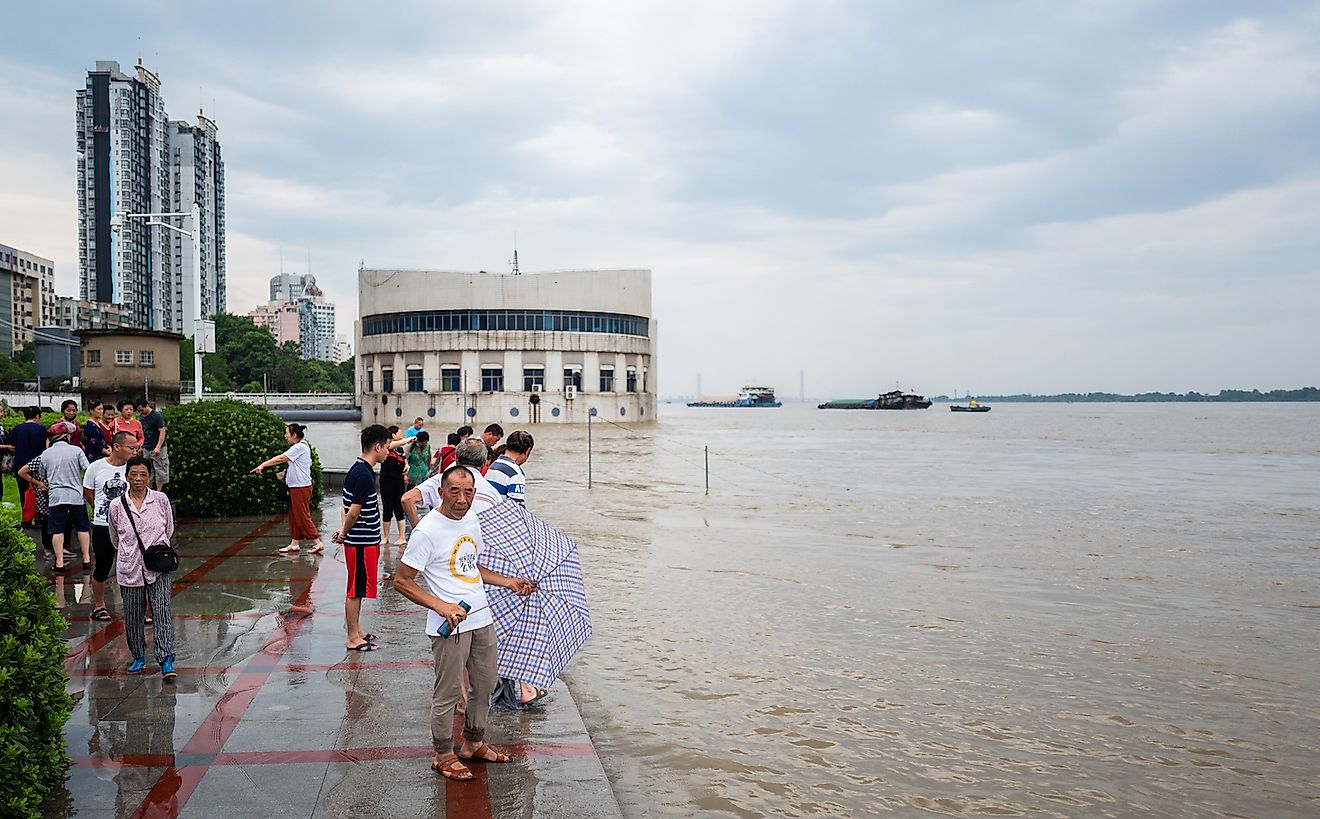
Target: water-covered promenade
{"points": [[269, 717]]}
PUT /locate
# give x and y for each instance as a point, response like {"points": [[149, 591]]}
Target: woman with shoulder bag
{"points": [[298, 479], [141, 524]]}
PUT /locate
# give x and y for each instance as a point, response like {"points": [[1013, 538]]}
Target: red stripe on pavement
{"points": [[468, 798], [211, 736], [291, 668], [349, 755]]}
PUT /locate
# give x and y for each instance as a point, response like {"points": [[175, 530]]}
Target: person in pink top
{"points": [[125, 422], [142, 516]]}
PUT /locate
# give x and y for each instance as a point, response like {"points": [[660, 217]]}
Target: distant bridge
{"points": [[296, 406]]}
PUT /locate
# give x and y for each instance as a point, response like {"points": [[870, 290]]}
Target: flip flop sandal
{"points": [[370, 638], [450, 768], [101, 615], [364, 647], [479, 755]]}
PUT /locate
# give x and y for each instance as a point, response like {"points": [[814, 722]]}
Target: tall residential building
{"points": [[297, 296], [132, 159], [199, 176], [27, 297], [76, 314]]}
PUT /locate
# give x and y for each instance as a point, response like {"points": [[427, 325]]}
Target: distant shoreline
{"points": [[1223, 396]]}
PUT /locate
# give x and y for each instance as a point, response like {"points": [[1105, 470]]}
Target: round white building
{"points": [[457, 347]]}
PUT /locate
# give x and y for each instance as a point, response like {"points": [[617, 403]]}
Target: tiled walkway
{"points": [[270, 716]]}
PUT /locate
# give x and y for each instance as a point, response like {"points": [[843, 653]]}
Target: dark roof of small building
{"points": [[128, 331]]}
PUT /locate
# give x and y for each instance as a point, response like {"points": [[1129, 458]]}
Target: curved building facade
{"points": [[455, 347]]}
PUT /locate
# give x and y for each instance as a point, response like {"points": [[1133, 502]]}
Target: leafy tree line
{"points": [[1302, 394], [245, 352]]}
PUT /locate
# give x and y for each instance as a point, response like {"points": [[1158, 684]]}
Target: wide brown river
{"points": [[1057, 610]]}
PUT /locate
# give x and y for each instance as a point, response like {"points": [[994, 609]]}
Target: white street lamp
{"points": [[203, 329]]}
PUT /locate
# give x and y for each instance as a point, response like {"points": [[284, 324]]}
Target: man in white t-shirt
{"points": [[103, 482], [445, 550], [473, 454]]}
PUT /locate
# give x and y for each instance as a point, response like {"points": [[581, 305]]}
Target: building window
{"points": [[632, 380], [492, 379], [533, 378], [123, 356], [607, 379], [386, 379], [573, 378], [451, 379], [371, 380], [146, 358], [414, 379]]}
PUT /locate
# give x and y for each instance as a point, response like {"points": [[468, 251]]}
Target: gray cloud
{"points": [[1009, 196]]}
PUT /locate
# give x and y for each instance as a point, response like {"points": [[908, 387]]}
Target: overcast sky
{"points": [[994, 196]]}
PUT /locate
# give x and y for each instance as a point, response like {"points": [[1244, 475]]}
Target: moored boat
{"points": [[970, 406]]}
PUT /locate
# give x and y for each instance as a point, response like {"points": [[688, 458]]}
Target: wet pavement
{"points": [[270, 715]]}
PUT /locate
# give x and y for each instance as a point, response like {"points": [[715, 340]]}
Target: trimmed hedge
{"points": [[33, 702], [213, 447]]}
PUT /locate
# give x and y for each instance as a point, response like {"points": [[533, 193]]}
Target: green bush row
{"points": [[34, 704]]}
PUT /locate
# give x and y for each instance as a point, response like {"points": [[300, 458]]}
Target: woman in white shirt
{"points": [[298, 478]]}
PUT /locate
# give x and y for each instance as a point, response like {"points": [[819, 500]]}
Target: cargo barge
{"points": [[749, 397], [894, 400]]}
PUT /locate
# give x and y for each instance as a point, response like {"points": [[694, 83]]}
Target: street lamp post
{"points": [[203, 342]]}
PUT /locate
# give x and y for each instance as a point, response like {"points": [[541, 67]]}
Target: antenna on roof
{"points": [[514, 264]]}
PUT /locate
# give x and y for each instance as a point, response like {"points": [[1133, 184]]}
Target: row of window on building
{"points": [[492, 379], [123, 358], [561, 321]]}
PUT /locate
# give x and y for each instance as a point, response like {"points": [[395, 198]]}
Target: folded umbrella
{"points": [[538, 634]]}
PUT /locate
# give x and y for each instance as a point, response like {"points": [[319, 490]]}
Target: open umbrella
{"points": [[538, 634]]}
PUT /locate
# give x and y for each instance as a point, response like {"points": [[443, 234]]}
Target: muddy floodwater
{"points": [[1054, 610]]}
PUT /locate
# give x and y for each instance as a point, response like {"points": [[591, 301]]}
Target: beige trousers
{"points": [[474, 650]]}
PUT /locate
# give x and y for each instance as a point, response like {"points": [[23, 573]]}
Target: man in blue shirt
{"points": [[506, 473], [411, 432], [360, 533], [29, 440]]}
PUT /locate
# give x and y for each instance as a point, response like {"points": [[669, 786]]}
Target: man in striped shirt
{"points": [[360, 533], [506, 473]]}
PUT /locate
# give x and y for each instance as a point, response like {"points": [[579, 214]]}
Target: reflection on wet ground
{"points": [[270, 716]]}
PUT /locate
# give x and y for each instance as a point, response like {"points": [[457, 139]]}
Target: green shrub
{"points": [[213, 447], [33, 703]]}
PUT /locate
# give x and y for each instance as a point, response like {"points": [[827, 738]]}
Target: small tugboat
{"points": [[893, 400], [971, 406], [749, 397]]}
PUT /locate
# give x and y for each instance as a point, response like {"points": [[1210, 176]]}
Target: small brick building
{"points": [[121, 363]]}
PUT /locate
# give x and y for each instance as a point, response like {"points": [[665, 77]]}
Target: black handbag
{"points": [[159, 557]]}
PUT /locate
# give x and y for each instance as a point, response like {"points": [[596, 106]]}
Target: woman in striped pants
{"points": [[139, 518]]}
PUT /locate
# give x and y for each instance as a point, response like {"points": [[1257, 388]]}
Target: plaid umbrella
{"points": [[538, 634]]}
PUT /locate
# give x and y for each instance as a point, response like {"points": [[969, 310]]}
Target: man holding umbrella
{"points": [[445, 550]]}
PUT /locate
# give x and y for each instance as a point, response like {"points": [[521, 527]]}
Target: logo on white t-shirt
{"points": [[463, 560]]}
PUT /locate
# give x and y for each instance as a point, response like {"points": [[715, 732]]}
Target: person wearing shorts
{"points": [[105, 482], [64, 465], [360, 534]]}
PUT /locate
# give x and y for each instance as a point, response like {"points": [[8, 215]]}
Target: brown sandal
{"points": [[450, 768], [483, 754]]}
